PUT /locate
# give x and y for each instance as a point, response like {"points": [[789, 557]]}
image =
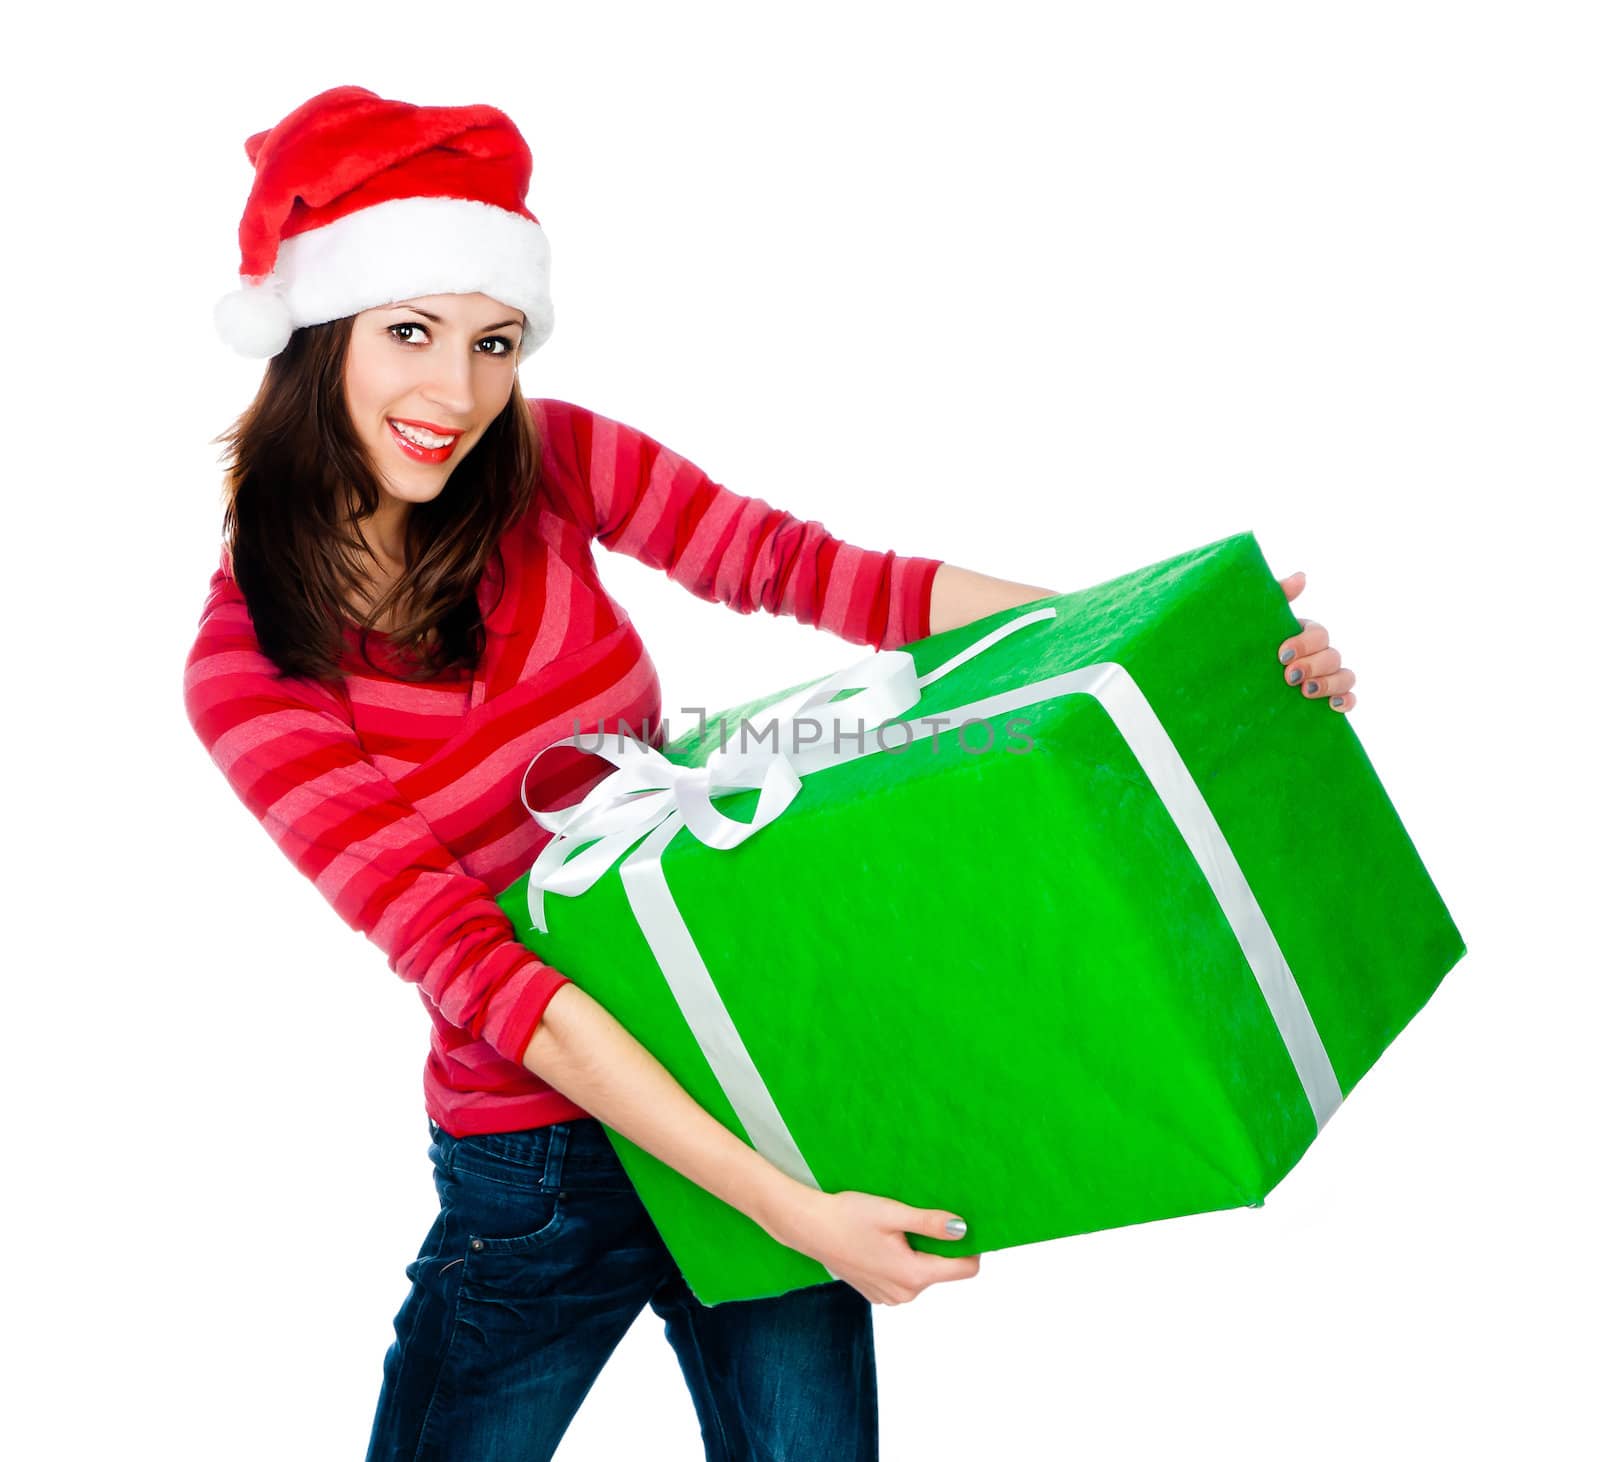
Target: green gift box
{"points": [[1027, 920]]}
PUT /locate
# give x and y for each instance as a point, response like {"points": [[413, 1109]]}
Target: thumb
{"points": [[939, 1223]]}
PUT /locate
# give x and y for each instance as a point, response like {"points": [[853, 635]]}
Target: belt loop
{"points": [[554, 1155]]}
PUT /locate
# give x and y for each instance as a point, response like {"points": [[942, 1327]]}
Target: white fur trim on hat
{"points": [[400, 249]]}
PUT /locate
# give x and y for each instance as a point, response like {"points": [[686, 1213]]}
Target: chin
{"points": [[418, 492]]}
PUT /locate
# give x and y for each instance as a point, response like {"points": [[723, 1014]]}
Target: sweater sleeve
{"points": [[289, 751], [637, 497]]}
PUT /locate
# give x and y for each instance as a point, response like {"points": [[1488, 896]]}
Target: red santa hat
{"points": [[358, 202]]}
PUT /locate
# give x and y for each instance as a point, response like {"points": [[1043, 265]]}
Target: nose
{"points": [[449, 385]]}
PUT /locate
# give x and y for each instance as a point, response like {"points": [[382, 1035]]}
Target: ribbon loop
{"points": [[648, 790]]}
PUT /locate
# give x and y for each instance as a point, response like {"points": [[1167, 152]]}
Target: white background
{"points": [[1051, 292]]}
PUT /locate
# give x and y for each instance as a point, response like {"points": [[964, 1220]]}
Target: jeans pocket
{"points": [[505, 1188], [535, 1222]]}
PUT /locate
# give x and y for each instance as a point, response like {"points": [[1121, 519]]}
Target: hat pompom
{"points": [[254, 320]]}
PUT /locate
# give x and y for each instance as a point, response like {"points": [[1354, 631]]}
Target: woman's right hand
{"points": [[861, 1239]]}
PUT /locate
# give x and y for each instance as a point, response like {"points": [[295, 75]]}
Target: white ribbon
{"points": [[650, 797]]}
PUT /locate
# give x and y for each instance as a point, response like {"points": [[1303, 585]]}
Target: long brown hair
{"points": [[298, 479]]}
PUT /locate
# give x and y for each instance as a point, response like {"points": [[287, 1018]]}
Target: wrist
{"points": [[787, 1207]]}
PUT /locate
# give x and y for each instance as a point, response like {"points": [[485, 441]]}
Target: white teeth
{"points": [[417, 435]]}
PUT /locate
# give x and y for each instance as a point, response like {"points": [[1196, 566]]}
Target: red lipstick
{"points": [[433, 426], [431, 455]]}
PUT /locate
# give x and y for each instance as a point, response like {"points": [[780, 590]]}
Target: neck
{"points": [[385, 535]]}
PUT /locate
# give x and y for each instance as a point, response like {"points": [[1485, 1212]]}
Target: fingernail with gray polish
{"points": [[1285, 656], [1296, 676], [955, 1227]]}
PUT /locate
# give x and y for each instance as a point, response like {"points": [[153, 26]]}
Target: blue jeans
{"points": [[540, 1259]]}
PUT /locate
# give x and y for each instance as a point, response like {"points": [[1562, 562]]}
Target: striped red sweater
{"points": [[402, 803]]}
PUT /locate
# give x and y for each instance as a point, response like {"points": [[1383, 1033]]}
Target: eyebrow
{"points": [[437, 321]]}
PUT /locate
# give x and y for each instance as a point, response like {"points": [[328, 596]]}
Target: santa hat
{"points": [[358, 202]]}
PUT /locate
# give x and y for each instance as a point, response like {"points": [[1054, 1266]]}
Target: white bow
{"points": [[647, 789]]}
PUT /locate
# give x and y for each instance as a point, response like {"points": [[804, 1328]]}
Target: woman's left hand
{"points": [[1310, 662]]}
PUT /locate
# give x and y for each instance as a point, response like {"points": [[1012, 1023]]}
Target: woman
{"points": [[406, 610]]}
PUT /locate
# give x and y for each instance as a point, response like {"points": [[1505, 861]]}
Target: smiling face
{"points": [[442, 366]]}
